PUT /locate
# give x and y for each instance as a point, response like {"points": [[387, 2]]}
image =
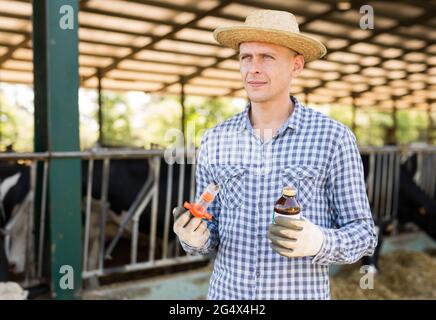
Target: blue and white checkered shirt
{"points": [[311, 152]]}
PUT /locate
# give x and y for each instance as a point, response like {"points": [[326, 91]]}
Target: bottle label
{"points": [[286, 216]]}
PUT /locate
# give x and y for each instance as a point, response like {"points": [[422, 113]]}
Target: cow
{"points": [[14, 187], [126, 179], [413, 206], [133, 173], [4, 273], [372, 261]]}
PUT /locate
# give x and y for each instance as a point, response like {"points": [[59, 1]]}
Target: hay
{"points": [[404, 275]]}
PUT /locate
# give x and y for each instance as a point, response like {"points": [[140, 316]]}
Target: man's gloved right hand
{"points": [[191, 230]]}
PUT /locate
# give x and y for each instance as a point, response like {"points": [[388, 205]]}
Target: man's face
{"points": [[267, 69]]}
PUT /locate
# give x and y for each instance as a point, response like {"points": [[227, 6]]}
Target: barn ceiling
{"points": [[155, 45]]}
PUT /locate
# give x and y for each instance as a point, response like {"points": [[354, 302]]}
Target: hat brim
{"points": [[232, 37]]}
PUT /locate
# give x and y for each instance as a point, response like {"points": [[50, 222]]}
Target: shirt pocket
{"points": [[303, 179], [231, 183]]}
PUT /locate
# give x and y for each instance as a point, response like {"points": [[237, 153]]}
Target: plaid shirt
{"points": [[311, 152]]}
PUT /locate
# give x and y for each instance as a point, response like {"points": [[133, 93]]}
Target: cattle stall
{"points": [[156, 184], [382, 167], [143, 224]]}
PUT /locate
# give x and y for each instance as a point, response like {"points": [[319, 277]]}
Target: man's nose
{"points": [[254, 67]]}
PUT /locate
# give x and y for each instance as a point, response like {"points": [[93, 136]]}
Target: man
{"points": [[277, 142]]}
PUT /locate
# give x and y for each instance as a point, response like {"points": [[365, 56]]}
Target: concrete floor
{"points": [[187, 285]]}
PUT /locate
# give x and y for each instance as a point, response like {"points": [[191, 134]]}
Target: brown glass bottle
{"points": [[287, 205]]}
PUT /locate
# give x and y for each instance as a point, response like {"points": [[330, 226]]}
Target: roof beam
{"points": [[192, 9], [167, 5], [27, 37], [218, 13], [14, 48], [171, 63], [423, 17], [174, 30]]}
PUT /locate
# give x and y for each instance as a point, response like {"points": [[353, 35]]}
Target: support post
{"points": [[56, 86], [182, 105], [100, 110]]}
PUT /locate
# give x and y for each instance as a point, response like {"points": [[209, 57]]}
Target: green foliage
{"points": [[16, 125], [205, 113], [374, 127], [8, 126], [412, 126], [150, 120], [143, 121], [117, 117]]}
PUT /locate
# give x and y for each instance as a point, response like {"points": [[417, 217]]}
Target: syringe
{"points": [[198, 209]]}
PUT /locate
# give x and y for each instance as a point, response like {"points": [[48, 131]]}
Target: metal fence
{"points": [[382, 182], [383, 177], [147, 196], [425, 175]]}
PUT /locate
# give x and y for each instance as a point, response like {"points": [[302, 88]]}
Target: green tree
{"points": [[412, 126], [206, 114], [162, 123], [117, 117], [374, 127], [16, 125], [8, 127]]}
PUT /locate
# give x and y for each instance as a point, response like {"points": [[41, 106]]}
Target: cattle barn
{"points": [[60, 199]]}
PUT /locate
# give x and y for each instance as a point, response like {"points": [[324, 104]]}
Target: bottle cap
{"points": [[207, 196], [289, 191]]}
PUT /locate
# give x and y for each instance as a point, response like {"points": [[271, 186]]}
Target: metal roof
{"points": [[155, 45]]}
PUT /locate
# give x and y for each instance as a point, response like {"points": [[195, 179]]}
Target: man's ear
{"points": [[298, 65]]}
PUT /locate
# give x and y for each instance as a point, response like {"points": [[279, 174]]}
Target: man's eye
{"points": [[268, 57]]}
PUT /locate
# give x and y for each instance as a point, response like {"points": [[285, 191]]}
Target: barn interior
{"points": [[380, 57]]}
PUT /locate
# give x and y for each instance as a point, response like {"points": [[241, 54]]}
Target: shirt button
{"points": [[258, 274]]}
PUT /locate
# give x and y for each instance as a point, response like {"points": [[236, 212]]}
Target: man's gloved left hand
{"points": [[295, 238]]}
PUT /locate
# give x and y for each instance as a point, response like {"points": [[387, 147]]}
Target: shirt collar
{"points": [[292, 122]]}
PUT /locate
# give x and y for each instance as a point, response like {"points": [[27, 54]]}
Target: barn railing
{"points": [[383, 177], [149, 194], [382, 182], [425, 175], [94, 263]]}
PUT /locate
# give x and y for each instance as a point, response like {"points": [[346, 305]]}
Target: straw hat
{"points": [[272, 26]]}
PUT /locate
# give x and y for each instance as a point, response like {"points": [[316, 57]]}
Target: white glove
{"points": [[191, 230], [295, 238]]}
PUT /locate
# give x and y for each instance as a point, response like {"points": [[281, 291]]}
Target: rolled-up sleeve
{"points": [[204, 178], [354, 235]]}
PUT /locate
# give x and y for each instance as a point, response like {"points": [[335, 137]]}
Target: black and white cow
{"points": [[126, 179], [14, 187], [414, 205], [4, 272]]}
